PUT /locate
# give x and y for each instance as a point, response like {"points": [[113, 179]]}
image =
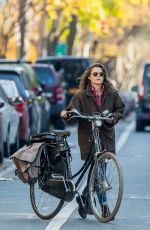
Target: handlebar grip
{"points": [[69, 114]]}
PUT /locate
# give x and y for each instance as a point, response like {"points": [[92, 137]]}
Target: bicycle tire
{"points": [[95, 186], [44, 205], [49, 204]]}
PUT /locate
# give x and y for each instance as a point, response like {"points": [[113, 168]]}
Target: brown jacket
{"points": [[86, 103]]}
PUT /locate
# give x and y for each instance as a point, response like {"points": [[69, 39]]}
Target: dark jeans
{"points": [[99, 180]]}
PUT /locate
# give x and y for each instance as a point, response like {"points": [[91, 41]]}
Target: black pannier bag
{"points": [[55, 176], [64, 190], [54, 146]]}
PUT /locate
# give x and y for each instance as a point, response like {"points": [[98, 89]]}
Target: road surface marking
{"points": [[6, 179], [57, 222], [123, 138]]}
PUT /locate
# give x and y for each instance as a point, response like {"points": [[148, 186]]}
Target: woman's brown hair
{"points": [[84, 81]]}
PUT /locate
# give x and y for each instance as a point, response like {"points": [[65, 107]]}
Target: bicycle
{"points": [[105, 176]]}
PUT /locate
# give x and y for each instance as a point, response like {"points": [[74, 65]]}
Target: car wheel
{"points": [[1, 156], [139, 126], [7, 148]]}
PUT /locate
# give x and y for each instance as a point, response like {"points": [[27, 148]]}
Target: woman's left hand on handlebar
{"points": [[64, 114], [110, 120]]}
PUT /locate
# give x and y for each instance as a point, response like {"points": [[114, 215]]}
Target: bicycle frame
{"points": [[91, 158], [96, 124]]}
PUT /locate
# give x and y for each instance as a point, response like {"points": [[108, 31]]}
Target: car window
{"points": [[31, 76], [3, 95], [147, 78], [45, 75], [72, 68], [9, 87], [14, 77], [27, 82]]}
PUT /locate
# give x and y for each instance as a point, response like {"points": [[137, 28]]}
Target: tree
{"points": [[8, 18], [22, 26]]}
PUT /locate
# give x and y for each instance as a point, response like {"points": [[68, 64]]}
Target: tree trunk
{"points": [[22, 25], [51, 45], [42, 40], [53, 36], [72, 34], [4, 44]]}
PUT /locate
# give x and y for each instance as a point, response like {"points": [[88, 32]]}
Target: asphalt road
{"points": [[133, 151]]}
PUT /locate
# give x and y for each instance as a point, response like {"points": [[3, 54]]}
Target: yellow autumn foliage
{"points": [[104, 20]]}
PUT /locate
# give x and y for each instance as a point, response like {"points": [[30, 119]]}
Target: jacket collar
{"points": [[89, 92]]}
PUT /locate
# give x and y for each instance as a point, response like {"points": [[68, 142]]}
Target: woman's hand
{"points": [[64, 114], [110, 120]]}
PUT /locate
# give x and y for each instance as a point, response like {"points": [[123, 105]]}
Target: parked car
{"points": [[143, 106], [129, 101], [19, 74], [15, 90], [1, 136], [42, 114], [54, 92], [45, 106], [10, 121], [70, 69]]}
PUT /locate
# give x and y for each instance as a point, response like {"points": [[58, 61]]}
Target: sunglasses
{"points": [[95, 74]]}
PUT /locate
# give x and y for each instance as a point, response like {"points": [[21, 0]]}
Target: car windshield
{"points": [[147, 78], [9, 87], [17, 81], [73, 68], [45, 75]]}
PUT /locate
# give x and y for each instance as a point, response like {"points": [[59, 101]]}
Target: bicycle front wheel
{"points": [[105, 187], [44, 205]]}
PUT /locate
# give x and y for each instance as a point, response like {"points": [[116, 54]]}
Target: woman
{"points": [[96, 94]]}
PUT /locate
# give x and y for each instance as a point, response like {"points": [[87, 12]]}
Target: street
{"points": [[133, 153]]}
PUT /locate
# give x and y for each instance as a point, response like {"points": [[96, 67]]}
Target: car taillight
{"points": [[59, 95], [141, 91], [20, 108]]}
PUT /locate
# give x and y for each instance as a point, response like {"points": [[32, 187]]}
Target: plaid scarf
{"points": [[97, 97]]}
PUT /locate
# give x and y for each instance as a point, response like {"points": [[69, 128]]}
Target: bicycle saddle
{"points": [[61, 133], [40, 134], [41, 137]]}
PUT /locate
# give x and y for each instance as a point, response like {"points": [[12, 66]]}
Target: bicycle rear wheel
{"points": [[105, 187], [44, 205]]}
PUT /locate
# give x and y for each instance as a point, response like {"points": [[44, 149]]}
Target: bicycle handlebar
{"points": [[94, 116]]}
